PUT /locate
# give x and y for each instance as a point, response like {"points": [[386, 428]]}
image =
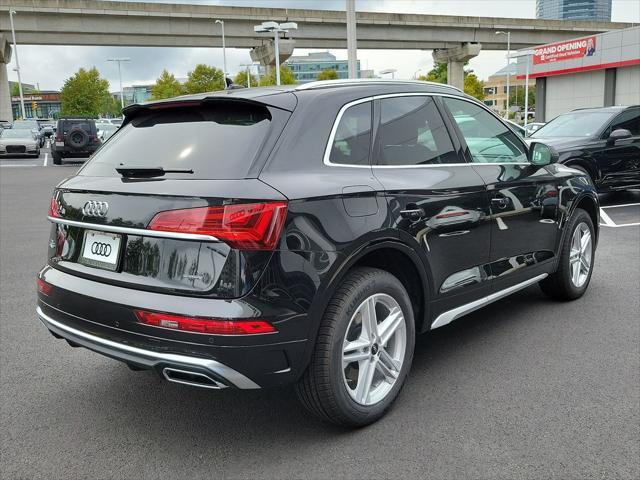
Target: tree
{"points": [[437, 74], [516, 96], [111, 107], [327, 74], [241, 79], [204, 78], [166, 86], [84, 94], [286, 77], [472, 84]]}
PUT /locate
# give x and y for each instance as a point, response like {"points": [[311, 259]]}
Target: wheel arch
{"points": [[586, 163], [387, 254]]}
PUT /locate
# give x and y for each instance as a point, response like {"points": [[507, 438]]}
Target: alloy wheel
{"points": [[580, 255], [373, 349]]}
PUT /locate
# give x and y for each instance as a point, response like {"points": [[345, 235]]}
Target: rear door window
{"points": [[217, 141], [412, 132]]}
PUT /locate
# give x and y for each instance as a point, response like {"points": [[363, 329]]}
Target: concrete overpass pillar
{"points": [[266, 53], [6, 112], [455, 58]]}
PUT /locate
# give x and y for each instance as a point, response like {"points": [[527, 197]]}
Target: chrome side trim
{"points": [[449, 316], [141, 356], [134, 231]]}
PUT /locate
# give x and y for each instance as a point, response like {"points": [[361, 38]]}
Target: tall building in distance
{"points": [[587, 10]]}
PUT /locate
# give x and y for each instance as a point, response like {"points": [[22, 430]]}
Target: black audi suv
{"points": [[602, 142], [261, 237]]}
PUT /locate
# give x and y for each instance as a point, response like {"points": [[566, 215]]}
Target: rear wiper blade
{"points": [[133, 171]]}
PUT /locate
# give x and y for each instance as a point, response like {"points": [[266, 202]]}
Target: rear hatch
{"points": [[171, 202]]}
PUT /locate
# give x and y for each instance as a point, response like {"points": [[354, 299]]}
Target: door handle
{"points": [[500, 202], [412, 213]]}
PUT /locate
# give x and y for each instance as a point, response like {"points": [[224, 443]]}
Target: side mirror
{"points": [[541, 154], [619, 134]]}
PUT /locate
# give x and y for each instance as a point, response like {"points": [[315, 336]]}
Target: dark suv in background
{"points": [[602, 142], [260, 237], [74, 138]]}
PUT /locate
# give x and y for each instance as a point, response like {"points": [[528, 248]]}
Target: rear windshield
{"points": [[217, 141], [86, 126]]}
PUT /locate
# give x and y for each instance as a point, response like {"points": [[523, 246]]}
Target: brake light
{"points": [[212, 326], [451, 214], [54, 207], [44, 287], [246, 226]]}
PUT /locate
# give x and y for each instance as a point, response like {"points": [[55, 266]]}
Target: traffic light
{"points": [[34, 107]]}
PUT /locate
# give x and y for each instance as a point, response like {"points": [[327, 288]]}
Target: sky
{"points": [[49, 66]]}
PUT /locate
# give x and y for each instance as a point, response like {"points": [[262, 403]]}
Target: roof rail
{"points": [[360, 81]]}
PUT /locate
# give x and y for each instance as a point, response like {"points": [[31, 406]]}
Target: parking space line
{"points": [[606, 219], [17, 166], [624, 205], [46, 156]]}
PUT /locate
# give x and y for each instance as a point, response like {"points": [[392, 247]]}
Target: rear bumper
{"points": [[101, 317], [147, 358]]}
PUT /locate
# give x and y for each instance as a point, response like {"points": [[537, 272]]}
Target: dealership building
{"points": [[596, 71]]}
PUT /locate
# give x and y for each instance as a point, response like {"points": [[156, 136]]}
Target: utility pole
{"points": [[224, 55], [352, 47], [17, 69], [120, 60], [508, 34]]}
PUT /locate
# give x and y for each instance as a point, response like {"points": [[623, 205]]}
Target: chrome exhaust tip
{"points": [[195, 379]]}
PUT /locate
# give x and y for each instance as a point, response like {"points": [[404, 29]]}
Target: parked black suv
{"points": [[75, 138], [265, 236], [602, 142]]}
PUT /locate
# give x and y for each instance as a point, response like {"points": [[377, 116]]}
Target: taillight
{"points": [[246, 226], [212, 326], [54, 207], [44, 287]]}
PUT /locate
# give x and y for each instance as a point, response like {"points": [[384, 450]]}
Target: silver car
{"points": [[19, 142]]}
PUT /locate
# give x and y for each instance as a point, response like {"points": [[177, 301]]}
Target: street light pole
{"points": [[276, 28], [508, 34], [352, 48], [17, 69], [119, 61], [224, 54]]}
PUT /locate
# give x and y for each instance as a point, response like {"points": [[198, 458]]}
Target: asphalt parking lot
{"points": [[525, 388]]}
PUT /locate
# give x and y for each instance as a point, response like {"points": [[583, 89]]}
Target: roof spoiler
{"points": [[132, 110]]}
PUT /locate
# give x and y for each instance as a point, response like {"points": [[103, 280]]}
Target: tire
{"points": [[325, 388], [77, 138], [57, 158], [564, 284]]}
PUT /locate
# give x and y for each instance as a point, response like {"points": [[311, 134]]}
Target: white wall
{"points": [[628, 85], [578, 90]]}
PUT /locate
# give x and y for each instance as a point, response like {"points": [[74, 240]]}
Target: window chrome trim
{"points": [[453, 314], [345, 107], [135, 231], [334, 129]]}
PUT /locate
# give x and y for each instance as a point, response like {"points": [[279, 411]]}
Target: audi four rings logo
{"points": [[95, 209], [101, 249]]}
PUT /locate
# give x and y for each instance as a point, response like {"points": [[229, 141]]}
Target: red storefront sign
{"points": [[557, 52]]}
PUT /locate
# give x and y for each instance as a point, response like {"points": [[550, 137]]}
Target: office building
{"points": [[306, 68], [587, 10]]}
